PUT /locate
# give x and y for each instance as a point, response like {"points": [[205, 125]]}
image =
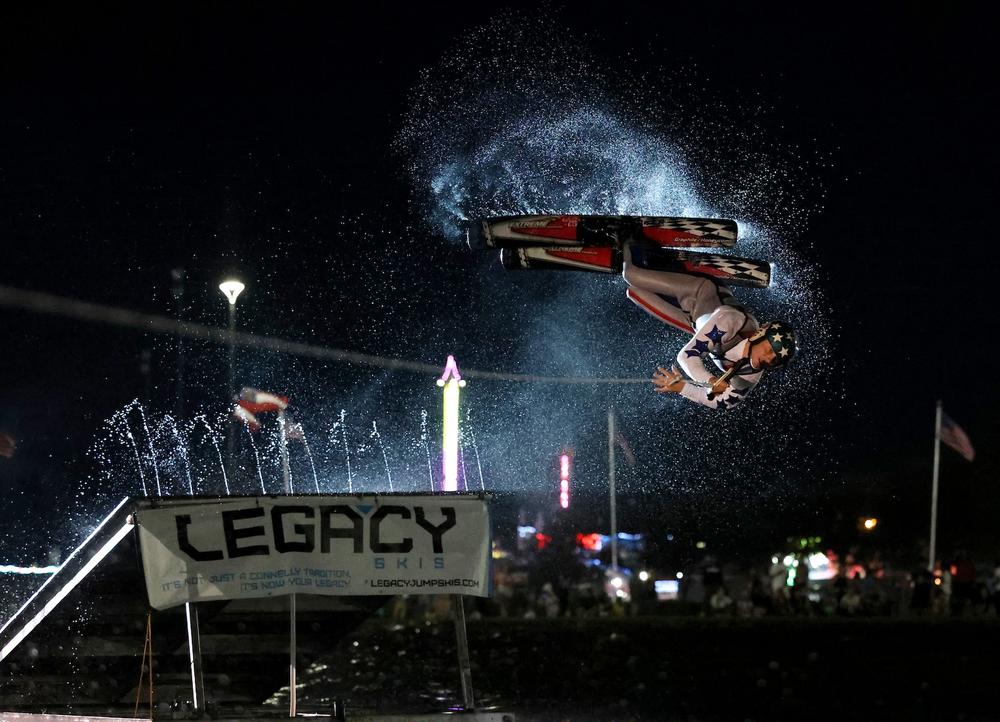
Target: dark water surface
{"points": [[679, 669], [644, 668]]}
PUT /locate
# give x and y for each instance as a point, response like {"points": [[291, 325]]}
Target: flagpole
{"points": [[286, 471], [286, 476], [230, 390], [932, 555], [611, 485], [293, 692]]}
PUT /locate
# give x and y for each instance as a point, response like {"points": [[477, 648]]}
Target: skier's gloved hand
{"points": [[668, 382]]}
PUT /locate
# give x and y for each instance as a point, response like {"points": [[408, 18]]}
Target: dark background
{"points": [[220, 136]]}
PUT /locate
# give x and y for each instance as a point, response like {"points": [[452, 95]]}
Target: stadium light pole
{"points": [[231, 288], [611, 488], [177, 276]]}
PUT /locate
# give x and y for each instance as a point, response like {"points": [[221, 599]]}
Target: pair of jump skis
{"points": [[686, 289]]}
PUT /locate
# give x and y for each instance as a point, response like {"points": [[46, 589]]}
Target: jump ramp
{"points": [[87, 644]]}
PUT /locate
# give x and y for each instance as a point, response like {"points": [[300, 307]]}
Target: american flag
{"points": [[954, 436], [247, 417], [256, 401]]}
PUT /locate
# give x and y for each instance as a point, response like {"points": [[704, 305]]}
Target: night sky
{"points": [[291, 146]]}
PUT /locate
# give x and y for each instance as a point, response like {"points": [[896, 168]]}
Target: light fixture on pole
{"points": [[232, 290]]}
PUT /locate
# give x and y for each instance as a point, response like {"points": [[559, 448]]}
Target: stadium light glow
{"points": [[591, 542], [232, 289], [821, 567], [451, 381], [616, 585]]}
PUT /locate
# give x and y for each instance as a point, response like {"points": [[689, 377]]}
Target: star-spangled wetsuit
{"points": [[719, 326], [723, 330]]}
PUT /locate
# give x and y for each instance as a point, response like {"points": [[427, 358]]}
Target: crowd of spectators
{"points": [[953, 589], [956, 588]]}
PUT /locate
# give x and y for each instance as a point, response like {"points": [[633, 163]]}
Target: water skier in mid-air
{"points": [[722, 329], [686, 290]]}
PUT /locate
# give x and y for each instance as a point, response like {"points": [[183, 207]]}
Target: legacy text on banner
{"points": [[350, 545]]}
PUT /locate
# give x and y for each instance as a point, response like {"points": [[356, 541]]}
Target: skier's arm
{"points": [[673, 382], [721, 328], [735, 393], [690, 358]]}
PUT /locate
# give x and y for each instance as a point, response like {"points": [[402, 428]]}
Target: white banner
{"points": [[350, 545]]}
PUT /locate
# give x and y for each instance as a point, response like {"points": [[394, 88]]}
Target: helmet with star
{"points": [[778, 338]]}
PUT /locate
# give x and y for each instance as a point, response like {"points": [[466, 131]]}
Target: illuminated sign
{"points": [[354, 545], [666, 589], [591, 542]]}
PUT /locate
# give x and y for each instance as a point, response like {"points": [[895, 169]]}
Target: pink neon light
{"points": [[451, 369], [564, 481]]}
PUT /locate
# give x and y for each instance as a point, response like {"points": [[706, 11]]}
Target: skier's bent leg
{"points": [[660, 308], [694, 295]]}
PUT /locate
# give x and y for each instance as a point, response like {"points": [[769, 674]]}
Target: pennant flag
{"points": [[620, 441], [257, 408], [246, 417], [954, 436], [256, 401], [626, 448], [7, 445]]}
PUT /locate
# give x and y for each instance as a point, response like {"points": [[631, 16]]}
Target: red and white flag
{"points": [[246, 417], [954, 436], [256, 401], [7, 446]]}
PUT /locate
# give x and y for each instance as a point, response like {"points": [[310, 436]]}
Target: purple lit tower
{"points": [[450, 382]]}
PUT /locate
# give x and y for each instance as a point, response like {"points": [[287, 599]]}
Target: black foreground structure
{"points": [[76, 647]]}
